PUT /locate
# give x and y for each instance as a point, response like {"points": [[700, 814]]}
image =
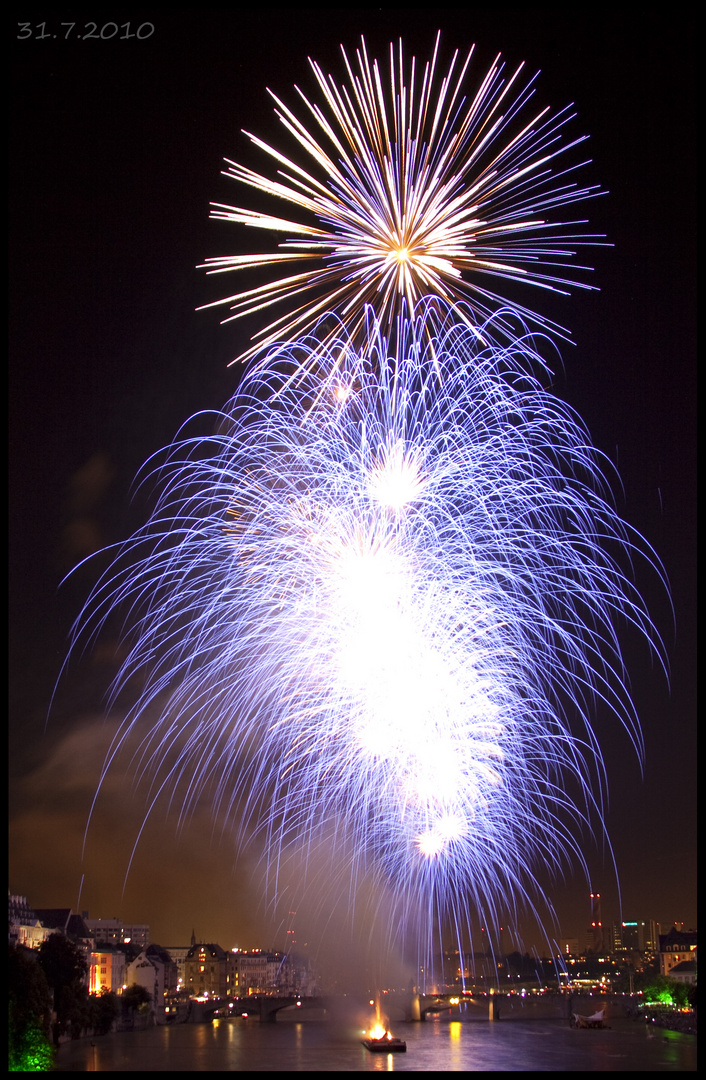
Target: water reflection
{"points": [[334, 1046]]}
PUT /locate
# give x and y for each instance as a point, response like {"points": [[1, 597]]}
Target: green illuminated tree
{"points": [[666, 991]]}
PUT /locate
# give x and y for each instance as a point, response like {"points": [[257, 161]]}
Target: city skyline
{"points": [[29, 926], [115, 159]]}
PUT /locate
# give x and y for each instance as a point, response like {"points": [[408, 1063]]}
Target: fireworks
{"points": [[372, 598], [375, 609], [407, 191]]}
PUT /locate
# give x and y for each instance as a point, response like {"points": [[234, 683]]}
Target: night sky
{"points": [[116, 152]]}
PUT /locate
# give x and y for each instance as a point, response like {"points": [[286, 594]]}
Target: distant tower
{"points": [[291, 934], [596, 927]]}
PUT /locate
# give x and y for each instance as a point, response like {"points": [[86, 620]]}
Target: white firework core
{"points": [[371, 599]]}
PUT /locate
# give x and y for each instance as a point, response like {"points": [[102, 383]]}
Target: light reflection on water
{"points": [[334, 1046]]}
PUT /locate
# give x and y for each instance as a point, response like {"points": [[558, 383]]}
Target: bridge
{"points": [[263, 1007], [416, 1006], [398, 1008], [496, 1005], [430, 1006]]}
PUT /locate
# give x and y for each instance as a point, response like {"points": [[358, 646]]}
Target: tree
{"points": [[63, 963], [75, 1012], [135, 997], [65, 968], [105, 1008], [666, 991], [29, 1046]]}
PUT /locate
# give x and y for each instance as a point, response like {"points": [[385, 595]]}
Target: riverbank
{"points": [[663, 1016]]}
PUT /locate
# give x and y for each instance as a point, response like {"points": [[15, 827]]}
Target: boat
{"points": [[378, 1039], [593, 1021], [385, 1044]]}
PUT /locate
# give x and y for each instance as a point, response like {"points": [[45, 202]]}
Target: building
{"points": [[258, 972], [208, 971], [255, 971], [144, 972], [166, 966], [676, 947], [24, 925], [568, 946], [651, 936], [71, 926], [178, 954], [107, 970], [596, 927], [684, 972], [114, 931], [635, 936], [154, 969]]}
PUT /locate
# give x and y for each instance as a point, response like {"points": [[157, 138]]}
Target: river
{"points": [[442, 1045]]}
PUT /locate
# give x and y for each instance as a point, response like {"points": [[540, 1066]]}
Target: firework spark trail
{"points": [[408, 192], [375, 612], [371, 598]]}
